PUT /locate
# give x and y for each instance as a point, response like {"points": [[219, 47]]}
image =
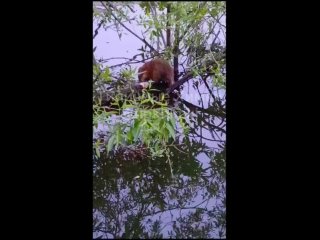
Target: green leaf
{"points": [[147, 9], [162, 5], [110, 143], [136, 129], [119, 135], [128, 106], [172, 121], [162, 122], [98, 152], [96, 69], [161, 104], [106, 75], [165, 134], [158, 27], [130, 136], [154, 32], [171, 131], [151, 124], [145, 101]]}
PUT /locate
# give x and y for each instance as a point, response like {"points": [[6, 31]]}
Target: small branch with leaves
{"points": [[114, 16]]}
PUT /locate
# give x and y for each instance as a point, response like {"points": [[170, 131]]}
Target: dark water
{"points": [[138, 197]]}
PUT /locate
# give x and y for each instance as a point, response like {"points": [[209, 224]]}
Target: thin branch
{"points": [[214, 126], [205, 83], [218, 19], [216, 36], [113, 58], [168, 26], [208, 110], [214, 139], [132, 61], [202, 137], [176, 52], [97, 29]]}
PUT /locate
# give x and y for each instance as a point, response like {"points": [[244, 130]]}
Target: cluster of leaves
{"points": [[150, 191], [152, 127]]}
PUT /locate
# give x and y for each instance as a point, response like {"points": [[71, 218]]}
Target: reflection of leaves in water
{"points": [[155, 205]]}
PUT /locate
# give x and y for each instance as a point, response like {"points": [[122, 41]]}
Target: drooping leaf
{"points": [[111, 143]]}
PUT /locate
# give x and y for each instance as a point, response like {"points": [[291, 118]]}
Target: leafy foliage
{"points": [[146, 162]]}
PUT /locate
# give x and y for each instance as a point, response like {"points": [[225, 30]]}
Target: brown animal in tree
{"points": [[157, 70]]}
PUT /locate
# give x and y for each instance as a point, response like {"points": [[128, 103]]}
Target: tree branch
{"points": [[176, 52], [209, 110], [168, 26], [184, 79]]}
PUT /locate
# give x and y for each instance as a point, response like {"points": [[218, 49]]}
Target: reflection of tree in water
{"points": [[135, 197]]}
